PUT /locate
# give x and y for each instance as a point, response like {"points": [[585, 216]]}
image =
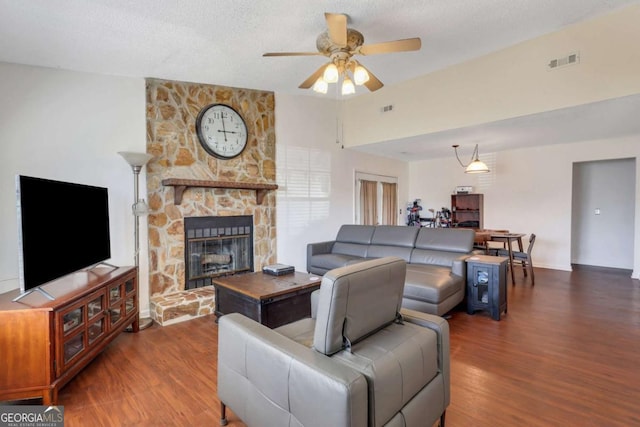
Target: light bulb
{"points": [[347, 86], [320, 85], [331, 74], [360, 75]]}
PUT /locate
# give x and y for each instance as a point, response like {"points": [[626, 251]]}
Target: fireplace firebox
{"points": [[217, 246]]}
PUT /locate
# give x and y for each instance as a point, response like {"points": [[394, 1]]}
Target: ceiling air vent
{"points": [[572, 58], [387, 109]]}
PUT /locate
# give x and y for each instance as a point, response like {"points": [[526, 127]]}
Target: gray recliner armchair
{"points": [[358, 361]]}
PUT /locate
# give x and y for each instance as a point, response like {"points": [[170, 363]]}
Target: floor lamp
{"points": [[139, 208]]}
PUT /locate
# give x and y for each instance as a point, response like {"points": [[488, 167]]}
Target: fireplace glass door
{"points": [[217, 246]]}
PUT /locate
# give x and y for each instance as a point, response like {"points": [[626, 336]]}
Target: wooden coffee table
{"points": [[271, 300]]}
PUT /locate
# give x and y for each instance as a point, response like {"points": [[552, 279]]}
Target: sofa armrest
{"points": [[317, 249], [459, 265], [441, 327], [268, 379]]}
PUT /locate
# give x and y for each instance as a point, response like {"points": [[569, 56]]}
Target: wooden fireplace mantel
{"points": [[180, 185]]}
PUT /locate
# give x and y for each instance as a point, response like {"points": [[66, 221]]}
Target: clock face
{"points": [[221, 131]]}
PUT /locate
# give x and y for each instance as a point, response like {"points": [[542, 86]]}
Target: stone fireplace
{"points": [[215, 188]]}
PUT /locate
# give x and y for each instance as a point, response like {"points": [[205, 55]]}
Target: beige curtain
{"points": [[368, 202], [389, 203]]}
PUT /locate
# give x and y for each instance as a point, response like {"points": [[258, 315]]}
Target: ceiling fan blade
{"points": [[313, 77], [291, 54], [404, 45], [337, 25]]}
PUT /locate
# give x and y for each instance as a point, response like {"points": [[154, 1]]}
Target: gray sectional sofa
{"points": [[436, 269]]}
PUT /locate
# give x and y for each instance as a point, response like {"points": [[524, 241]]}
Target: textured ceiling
{"points": [[222, 42]]}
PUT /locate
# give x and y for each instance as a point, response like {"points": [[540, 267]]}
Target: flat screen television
{"points": [[63, 227]]}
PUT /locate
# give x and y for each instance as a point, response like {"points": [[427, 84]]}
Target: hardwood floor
{"points": [[566, 354]]}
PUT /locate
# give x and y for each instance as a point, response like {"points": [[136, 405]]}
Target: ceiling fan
{"points": [[340, 44]]}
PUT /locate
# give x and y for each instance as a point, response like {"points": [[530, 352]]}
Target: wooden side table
{"points": [[271, 300], [487, 284]]}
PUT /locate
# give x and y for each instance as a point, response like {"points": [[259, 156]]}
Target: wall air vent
{"points": [[387, 109], [571, 59]]}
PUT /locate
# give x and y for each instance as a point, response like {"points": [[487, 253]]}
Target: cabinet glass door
{"points": [[96, 307], [96, 330], [129, 287], [114, 294], [482, 283], [116, 314], [72, 320], [96, 312], [73, 346]]}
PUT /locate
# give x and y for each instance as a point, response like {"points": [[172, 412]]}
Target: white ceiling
{"points": [[222, 42]]}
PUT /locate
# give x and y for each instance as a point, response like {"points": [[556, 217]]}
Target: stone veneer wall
{"points": [[172, 108]]}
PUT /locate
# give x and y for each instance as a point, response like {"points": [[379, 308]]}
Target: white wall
{"points": [[528, 191], [509, 83], [307, 151], [69, 126], [602, 238]]}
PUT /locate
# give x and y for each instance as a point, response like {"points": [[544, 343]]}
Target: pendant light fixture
{"points": [[475, 166]]}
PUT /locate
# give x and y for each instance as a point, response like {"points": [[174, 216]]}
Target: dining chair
{"points": [[523, 257]]}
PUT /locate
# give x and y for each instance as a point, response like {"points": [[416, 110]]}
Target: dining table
{"points": [[508, 239]]}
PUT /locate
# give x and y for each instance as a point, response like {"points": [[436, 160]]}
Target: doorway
{"points": [[603, 212], [376, 199]]}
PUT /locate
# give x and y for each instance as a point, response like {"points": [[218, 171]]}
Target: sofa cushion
{"points": [[357, 300], [353, 249], [394, 235], [428, 256], [300, 331], [352, 233], [379, 251], [431, 283], [445, 239], [392, 240], [331, 261]]}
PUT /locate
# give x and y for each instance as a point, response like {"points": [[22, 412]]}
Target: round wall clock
{"points": [[221, 131]]}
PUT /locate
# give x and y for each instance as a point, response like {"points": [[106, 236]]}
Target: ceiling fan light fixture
{"points": [[360, 75], [331, 74], [320, 86], [347, 86]]}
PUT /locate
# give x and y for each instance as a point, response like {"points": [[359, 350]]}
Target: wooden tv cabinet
{"points": [[44, 343]]}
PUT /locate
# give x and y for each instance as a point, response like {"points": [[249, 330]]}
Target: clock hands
{"points": [[223, 129]]}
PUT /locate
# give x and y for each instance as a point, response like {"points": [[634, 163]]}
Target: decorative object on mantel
{"points": [[475, 166], [180, 185], [139, 208]]}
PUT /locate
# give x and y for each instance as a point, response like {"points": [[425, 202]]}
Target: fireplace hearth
{"points": [[217, 246]]}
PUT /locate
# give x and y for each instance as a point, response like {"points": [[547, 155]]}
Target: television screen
{"points": [[62, 228]]}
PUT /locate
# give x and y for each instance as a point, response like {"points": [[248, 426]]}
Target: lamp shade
{"points": [[477, 166], [360, 75], [135, 159], [331, 73], [347, 86], [320, 85]]}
